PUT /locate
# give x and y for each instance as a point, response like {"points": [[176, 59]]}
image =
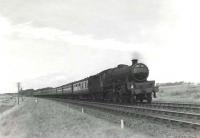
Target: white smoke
{"points": [[137, 55]]}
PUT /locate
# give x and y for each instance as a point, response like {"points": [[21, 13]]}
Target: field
{"points": [[6, 102], [189, 93]]}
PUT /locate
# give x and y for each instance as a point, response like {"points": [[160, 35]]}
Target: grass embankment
{"points": [[179, 93]]}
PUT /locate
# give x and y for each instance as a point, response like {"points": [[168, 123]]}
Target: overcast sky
{"points": [[52, 42]]}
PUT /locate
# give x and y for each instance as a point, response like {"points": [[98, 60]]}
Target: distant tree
{"points": [[171, 83]]}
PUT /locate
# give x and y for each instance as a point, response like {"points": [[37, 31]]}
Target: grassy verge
{"points": [[189, 93]]}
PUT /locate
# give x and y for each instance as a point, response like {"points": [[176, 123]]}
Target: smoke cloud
{"points": [[137, 55]]}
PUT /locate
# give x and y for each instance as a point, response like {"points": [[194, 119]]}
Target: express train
{"points": [[122, 84]]}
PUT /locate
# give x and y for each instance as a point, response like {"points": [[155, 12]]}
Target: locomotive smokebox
{"points": [[134, 61]]}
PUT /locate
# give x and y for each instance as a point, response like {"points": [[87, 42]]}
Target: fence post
{"points": [[36, 100], [122, 124]]}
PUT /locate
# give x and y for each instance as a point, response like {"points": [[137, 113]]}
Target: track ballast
{"points": [[151, 111]]}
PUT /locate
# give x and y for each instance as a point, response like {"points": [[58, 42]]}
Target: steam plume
{"points": [[137, 55]]}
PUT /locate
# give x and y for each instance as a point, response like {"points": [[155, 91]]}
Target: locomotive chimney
{"points": [[134, 61]]}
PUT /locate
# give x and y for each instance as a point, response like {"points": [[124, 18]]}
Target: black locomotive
{"points": [[123, 84]]}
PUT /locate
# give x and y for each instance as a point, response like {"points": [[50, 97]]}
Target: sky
{"points": [[53, 42]]}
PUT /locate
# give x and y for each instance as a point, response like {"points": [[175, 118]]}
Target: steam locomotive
{"points": [[122, 84]]}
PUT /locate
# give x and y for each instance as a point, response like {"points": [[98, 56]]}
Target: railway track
{"points": [[183, 107], [187, 119], [192, 105]]}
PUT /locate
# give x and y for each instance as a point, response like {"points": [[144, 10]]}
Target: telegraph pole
{"points": [[21, 94], [18, 87]]}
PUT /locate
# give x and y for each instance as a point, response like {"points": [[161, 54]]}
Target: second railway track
{"points": [[182, 107]]}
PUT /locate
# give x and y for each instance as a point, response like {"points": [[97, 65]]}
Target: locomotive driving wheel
{"points": [[149, 98], [93, 98], [121, 99], [115, 98], [133, 99]]}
